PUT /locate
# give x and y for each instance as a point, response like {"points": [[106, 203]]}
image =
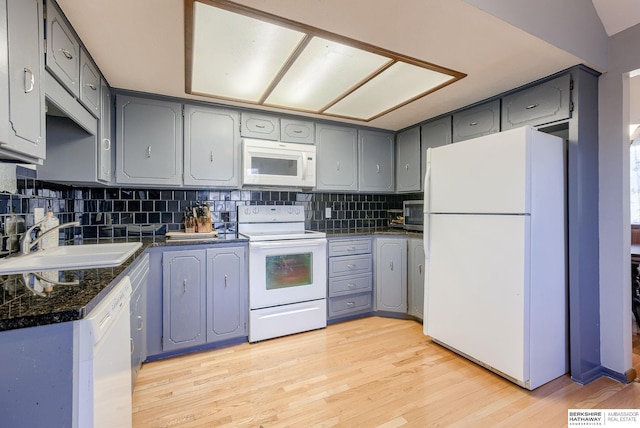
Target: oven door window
{"points": [[274, 166], [289, 270]]}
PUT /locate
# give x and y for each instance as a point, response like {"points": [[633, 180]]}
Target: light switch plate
{"points": [[327, 212]]}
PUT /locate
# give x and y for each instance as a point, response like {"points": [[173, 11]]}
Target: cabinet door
{"points": [[336, 158], [415, 277], [211, 147], [408, 177], [104, 140], [259, 126], [63, 50], [545, 103], [149, 143], [27, 129], [297, 131], [89, 84], [476, 121], [183, 291], [375, 161], [391, 274], [433, 134], [227, 302]]}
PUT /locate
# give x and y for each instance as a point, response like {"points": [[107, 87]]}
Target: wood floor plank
{"points": [[372, 372]]}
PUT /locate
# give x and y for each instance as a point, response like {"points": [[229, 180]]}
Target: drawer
{"points": [[349, 265], [259, 126], [350, 284], [476, 121], [349, 305], [544, 103], [297, 131], [349, 246]]}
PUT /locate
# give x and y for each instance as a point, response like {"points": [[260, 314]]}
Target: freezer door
{"points": [[476, 289], [484, 175]]}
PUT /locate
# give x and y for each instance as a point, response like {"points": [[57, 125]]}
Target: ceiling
{"points": [[139, 45]]}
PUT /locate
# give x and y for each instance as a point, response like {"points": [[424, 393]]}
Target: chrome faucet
{"points": [[27, 244]]}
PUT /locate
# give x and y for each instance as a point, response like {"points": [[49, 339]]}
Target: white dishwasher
{"points": [[102, 395]]}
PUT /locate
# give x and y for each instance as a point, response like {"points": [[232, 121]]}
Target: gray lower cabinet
{"points": [[139, 276], [435, 133], [63, 50], [149, 141], [477, 121], [23, 129], [211, 147], [391, 274], [336, 158], [408, 165], [376, 161], [544, 103], [350, 277], [204, 296], [415, 277]]}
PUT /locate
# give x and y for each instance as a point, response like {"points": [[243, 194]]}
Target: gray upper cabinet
{"points": [[544, 103], [149, 141], [104, 140], [23, 128], [261, 126], [336, 158], [89, 84], [375, 161], [211, 147], [434, 134], [408, 177], [297, 131], [63, 50], [476, 121]]}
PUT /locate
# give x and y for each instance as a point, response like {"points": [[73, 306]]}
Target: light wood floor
{"points": [[370, 372]]}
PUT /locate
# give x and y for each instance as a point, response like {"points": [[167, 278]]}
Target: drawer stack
{"points": [[350, 277]]}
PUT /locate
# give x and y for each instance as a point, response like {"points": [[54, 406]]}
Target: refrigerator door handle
{"points": [[427, 206]]}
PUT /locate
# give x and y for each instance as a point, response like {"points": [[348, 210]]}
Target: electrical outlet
{"points": [[327, 212]]}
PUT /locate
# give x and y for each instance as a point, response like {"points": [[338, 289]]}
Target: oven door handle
{"points": [[289, 243]]}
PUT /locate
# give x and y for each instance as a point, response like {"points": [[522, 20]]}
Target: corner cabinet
{"points": [[376, 161], [391, 274], [204, 296], [415, 277], [336, 158], [23, 129], [149, 141], [211, 147], [408, 177]]}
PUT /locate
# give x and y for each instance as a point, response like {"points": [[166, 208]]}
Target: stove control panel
{"points": [[270, 213]]}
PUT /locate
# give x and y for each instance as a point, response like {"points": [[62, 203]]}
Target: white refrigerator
{"points": [[494, 231]]}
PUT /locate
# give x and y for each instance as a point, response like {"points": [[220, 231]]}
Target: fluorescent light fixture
{"points": [[242, 54]]}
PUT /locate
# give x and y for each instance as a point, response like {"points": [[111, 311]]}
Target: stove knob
{"points": [[297, 210], [289, 210], [255, 210], [247, 210]]}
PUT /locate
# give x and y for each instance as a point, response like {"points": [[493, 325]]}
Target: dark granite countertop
{"points": [[391, 231], [20, 308]]}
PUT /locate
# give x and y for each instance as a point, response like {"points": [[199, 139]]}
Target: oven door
{"points": [[287, 271]]}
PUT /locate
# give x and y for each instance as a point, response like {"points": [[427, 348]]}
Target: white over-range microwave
{"points": [[273, 163]]}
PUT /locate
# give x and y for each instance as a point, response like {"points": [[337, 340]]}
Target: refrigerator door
{"points": [[476, 289], [485, 175]]}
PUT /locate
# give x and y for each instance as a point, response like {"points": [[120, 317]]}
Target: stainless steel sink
{"points": [[70, 257]]}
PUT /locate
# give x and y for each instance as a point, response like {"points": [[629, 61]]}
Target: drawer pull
{"points": [[351, 248], [92, 86], [351, 304], [351, 285], [297, 131], [473, 123], [351, 265], [531, 106], [260, 126], [66, 54]]}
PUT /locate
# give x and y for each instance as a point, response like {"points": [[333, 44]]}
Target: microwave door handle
{"points": [[304, 166]]}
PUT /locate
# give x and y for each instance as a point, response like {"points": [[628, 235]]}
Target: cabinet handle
{"points": [[107, 144], [351, 248], [297, 131], [92, 86], [351, 266], [406, 167], [531, 106], [391, 265], [140, 323], [473, 123], [211, 156], [260, 126], [337, 165], [420, 269], [148, 151], [225, 281], [184, 285], [351, 285], [350, 304], [378, 168], [66, 53], [30, 81], [133, 345]]}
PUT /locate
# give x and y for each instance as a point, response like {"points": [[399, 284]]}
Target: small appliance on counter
{"points": [[413, 213]]}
